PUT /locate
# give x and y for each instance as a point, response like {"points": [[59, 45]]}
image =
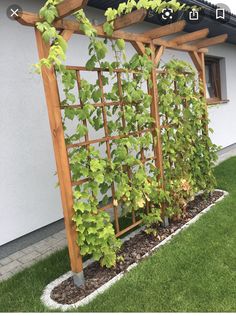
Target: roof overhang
{"points": [[215, 28]]}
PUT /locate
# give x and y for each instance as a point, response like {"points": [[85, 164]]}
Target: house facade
{"points": [[29, 197]]}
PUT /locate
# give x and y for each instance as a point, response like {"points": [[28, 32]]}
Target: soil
{"points": [[131, 251]]}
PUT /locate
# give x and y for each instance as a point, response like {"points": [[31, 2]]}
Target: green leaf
{"points": [[95, 165], [108, 28], [120, 44], [91, 63], [79, 206], [96, 95], [81, 130], [69, 113]]}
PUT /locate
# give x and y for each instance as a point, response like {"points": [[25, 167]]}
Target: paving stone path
{"points": [[28, 256]]}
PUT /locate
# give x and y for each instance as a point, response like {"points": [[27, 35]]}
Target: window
{"points": [[213, 80]]}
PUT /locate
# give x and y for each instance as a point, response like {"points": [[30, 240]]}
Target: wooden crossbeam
{"points": [[165, 30], [184, 47], [128, 19], [67, 7], [30, 19], [182, 39], [212, 41]]}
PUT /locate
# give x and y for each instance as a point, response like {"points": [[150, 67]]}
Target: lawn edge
{"points": [[51, 304]]}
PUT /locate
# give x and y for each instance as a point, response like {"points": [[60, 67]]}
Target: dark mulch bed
{"points": [[132, 251]]}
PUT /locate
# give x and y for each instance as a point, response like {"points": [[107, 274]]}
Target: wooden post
{"points": [[156, 115], [199, 62], [202, 76], [202, 73], [61, 157]]}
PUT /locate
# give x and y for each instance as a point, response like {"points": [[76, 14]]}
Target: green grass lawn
{"points": [[196, 272]]}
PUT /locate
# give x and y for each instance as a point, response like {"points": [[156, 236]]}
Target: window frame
{"points": [[214, 63]]}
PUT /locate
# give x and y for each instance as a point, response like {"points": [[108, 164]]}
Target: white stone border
{"points": [[48, 302]]}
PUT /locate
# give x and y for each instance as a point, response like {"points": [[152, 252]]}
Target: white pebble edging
{"points": [[48, 302]]}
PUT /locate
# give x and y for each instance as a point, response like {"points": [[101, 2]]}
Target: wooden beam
{"points": [[159, 53], [60, 152], [182, 39], [30, 19], [67, 7], [197, 61], [202, 73], [202, 77], [165, 30], [184, 47], [212, 41], [155, 112], [129, 37], [139, 47], [128, 19]]}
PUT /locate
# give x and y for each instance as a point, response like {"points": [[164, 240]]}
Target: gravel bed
{"points": [[131, 251]]}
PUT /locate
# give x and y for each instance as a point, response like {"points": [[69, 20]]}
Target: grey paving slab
{"points": [[43, 247], [5, 261], [10, 267], [26, 257], [31, 238], [29, 257], [28, 250], [17, 255]]}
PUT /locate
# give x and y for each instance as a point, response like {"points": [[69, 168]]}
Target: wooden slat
{"points": [[129, 19], [96, 105], [128, 228], [30, 19], [108, 148], [120, 91], [116, 70], [62, 162], [182, 39], [67, 7], [107, 139], [212, 41], [165, 30]]}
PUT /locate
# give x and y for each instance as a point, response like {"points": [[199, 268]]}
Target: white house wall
{"points": [[28, 197]]}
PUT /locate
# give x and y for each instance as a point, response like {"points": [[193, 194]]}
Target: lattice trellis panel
{"points": [[106, 137]]}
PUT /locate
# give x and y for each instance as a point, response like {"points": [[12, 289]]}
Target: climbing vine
{"points": [[188, 152]]}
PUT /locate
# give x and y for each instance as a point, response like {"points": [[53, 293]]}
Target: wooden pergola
{"points": [[195, 44]]}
